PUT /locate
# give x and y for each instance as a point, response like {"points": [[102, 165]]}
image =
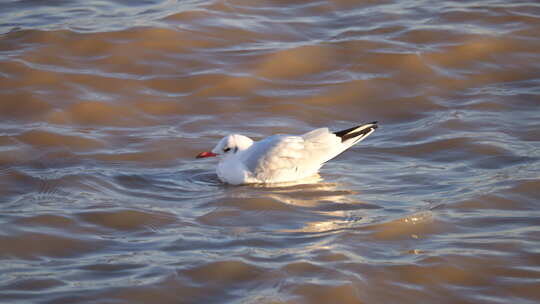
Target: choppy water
{"points": [[104, 105]]}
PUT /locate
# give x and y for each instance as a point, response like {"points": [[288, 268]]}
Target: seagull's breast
{"points": [[233, 171]]}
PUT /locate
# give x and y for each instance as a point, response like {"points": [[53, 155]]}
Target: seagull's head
{"points": [[229, 145]]}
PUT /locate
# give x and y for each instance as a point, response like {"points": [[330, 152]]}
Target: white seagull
{"points": [[282, 158]]}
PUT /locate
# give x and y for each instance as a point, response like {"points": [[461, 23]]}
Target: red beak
{"points": [[206, 154]]}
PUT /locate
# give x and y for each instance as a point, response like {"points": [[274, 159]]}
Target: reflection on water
{"points": [[104, 105]]}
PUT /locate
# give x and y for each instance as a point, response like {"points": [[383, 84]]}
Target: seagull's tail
{"points": [[353, 135]]}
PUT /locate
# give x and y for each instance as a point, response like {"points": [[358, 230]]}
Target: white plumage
{"points": [[282, 158]]}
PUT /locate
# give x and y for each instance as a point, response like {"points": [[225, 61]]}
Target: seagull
{"points": [[281, 158]]}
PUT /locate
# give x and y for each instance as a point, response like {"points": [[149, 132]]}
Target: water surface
{"points": [[104, 104]]}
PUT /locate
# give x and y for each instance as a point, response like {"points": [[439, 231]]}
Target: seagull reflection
{"points": [[331, 206]]}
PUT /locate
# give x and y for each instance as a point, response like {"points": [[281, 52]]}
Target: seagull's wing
{"points": [[321, 145], [274, 153], [289, 157]]}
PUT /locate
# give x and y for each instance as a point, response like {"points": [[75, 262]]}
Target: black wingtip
{"points": [[352, 133]]}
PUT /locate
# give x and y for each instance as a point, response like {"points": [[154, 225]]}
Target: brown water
{"points": [[104, 105]]}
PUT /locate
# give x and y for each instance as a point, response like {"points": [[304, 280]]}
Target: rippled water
{"points": [[104, 105]]}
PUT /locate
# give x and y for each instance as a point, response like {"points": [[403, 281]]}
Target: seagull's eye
{"points": [[226, 149]]}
